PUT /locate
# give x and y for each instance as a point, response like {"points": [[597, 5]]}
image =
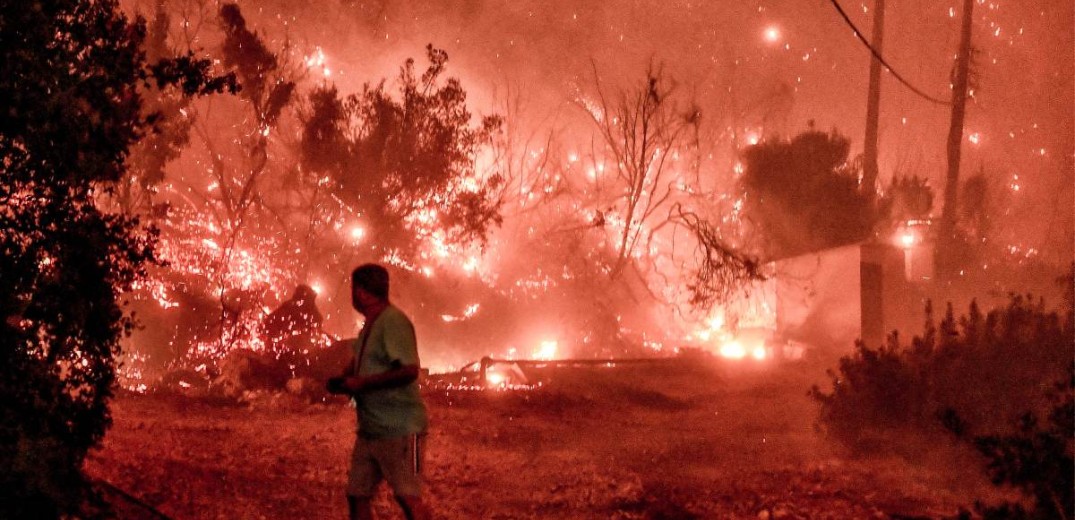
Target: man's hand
{"points": [[344, 385], [352, 385], [334, 385]]}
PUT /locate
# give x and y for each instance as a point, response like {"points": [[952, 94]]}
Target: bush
{"points": [[987, 368], [71, 77], [1037, 459], [984, 378]]}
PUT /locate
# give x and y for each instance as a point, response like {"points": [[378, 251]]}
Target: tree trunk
{"points": [[873, 105]]}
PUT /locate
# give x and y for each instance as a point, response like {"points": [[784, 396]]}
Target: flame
{"points": [[733, 350], [547, 350], [907, 239]]}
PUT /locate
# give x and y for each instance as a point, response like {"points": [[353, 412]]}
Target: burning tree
{"points": [[405, 163], [282, 186], [398, 168], [170, 109], [641, 129], [657, 201], [72, 74], [214, 197]]}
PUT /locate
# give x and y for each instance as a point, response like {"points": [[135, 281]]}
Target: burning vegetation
{"points": [[291, 182]]}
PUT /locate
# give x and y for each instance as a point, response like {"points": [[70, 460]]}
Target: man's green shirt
{"points": [[388, 412]]}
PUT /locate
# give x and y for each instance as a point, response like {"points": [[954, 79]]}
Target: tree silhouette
{"points": [[907, 198], [72, 73], [803, 194]]}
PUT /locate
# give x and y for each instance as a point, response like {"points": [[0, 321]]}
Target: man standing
{"points": [[383, 380]]}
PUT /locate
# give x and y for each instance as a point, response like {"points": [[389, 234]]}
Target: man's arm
{"points": [[399, 375], [348, 370]]}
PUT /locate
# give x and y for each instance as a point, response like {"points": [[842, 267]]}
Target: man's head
{"points": [[369, 286]]}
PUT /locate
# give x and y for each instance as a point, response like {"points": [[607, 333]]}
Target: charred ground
{"points": [[678, 440]]}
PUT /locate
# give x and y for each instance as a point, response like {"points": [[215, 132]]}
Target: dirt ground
{"points": [[675, 441]]}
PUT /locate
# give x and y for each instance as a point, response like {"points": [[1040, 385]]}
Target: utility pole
{"points": [[873, 104], [943, 261]]}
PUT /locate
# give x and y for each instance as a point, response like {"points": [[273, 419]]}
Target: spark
{"points": [[771, 34]]}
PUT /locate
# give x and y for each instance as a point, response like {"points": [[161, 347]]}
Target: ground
{"points": [[674, 441]]}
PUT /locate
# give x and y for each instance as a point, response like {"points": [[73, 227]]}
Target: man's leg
{"points": [[413, 507], [362, 480], [359, 508], [400, 460]]}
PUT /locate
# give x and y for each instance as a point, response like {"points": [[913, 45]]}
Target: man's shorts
{"points": [[397, 460]]}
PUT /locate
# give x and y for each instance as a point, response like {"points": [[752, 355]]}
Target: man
{"points": [[383, 380]]}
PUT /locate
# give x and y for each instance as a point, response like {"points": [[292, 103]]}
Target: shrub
{"points": [[1037, 458], [987, 368], [71, 73], [980, 377]]}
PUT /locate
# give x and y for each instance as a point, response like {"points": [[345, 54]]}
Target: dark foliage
{"points": [[1037, 458], [907, 198], [988, 368], [394, 155], [255, 66], [803, 194], [723, 271], [973, 241], [70, 75], [974, 376]]}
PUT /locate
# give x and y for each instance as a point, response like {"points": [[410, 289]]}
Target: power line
{"points": [[881, 59]]}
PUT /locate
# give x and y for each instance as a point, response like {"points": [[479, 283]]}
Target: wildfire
{"points": [[468, 312]]}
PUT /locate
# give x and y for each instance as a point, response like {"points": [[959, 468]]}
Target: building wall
{"points": [[818, 298], [831, 298]]}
